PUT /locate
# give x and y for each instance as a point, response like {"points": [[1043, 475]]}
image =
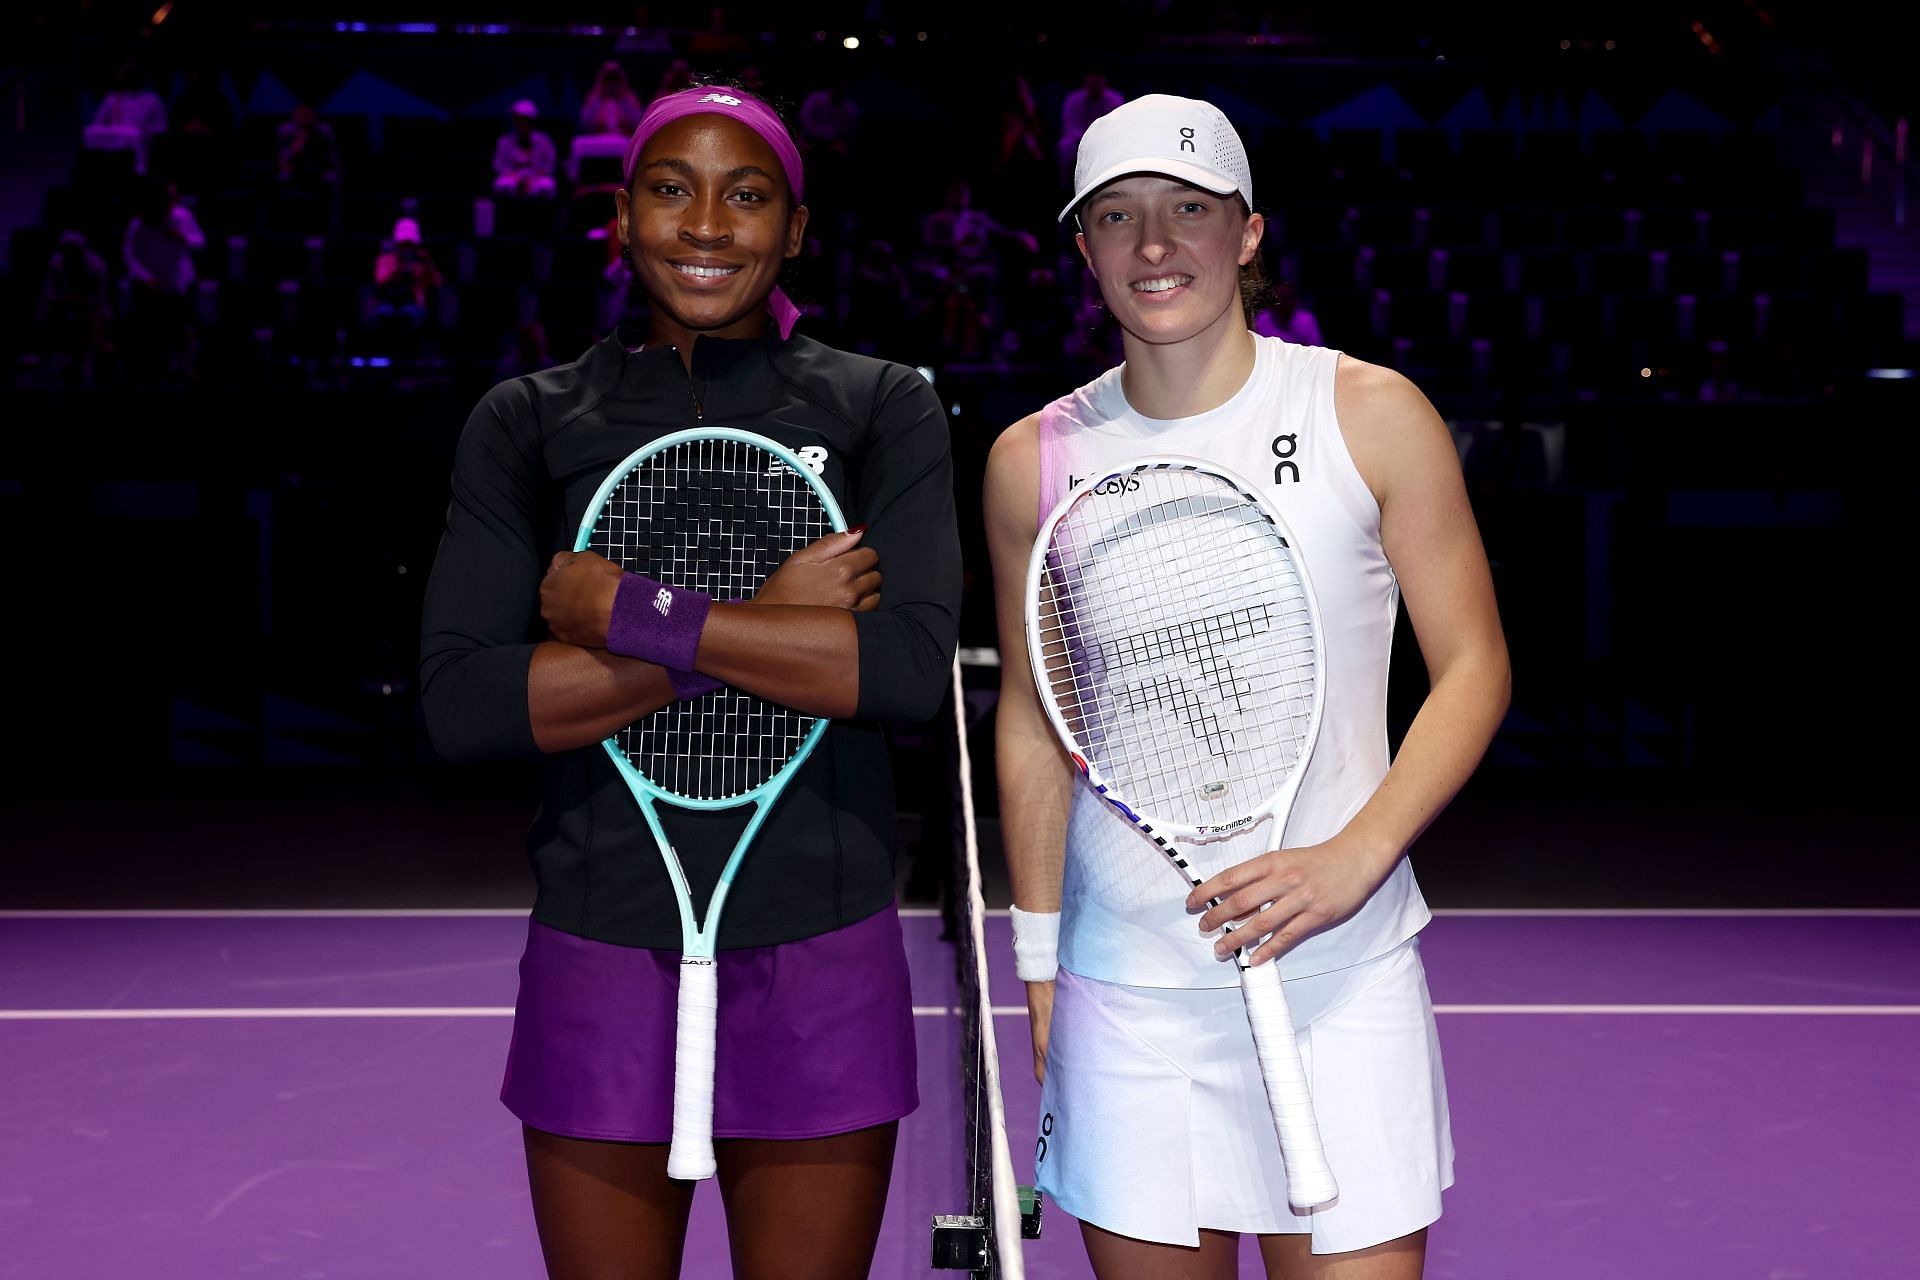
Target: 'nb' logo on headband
{"points": [[725, 100]]}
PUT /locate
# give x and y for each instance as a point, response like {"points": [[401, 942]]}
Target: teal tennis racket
{"points": [[713, 510]]}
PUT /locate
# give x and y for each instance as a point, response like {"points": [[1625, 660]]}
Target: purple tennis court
{"points": [[306, 306], [312, 1094]]}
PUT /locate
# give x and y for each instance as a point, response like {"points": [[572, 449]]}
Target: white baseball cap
{"points": [[1180, 138]]}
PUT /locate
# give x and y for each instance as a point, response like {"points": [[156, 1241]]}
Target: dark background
{"points": [[1695, 502]]}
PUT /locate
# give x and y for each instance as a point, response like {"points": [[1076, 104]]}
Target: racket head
{"points": [[716, 510], [1175, 644]]}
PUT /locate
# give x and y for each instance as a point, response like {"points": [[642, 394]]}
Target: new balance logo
{"points": [[724, 99], [812, 456], [663, 601]]}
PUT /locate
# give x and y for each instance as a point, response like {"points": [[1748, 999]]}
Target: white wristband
{"points": [[1036, 944]]}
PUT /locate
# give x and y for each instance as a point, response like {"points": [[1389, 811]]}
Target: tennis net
{"points": [[985, 1239]]}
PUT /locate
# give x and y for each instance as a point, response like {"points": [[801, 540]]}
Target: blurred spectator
{"points": [[526, 353], [613, 300], [307, 169], [162, 237], [677, 76], [1720, 384], [309, 157], [74, 318], [642, 34], [129, 118], [1285, 317], [611, 105], [405, 282], [961, 239], [524, 158], [963, 234], [1019, 180], [1093, 99], [828, 119], [607, 119], [1019, 129]]}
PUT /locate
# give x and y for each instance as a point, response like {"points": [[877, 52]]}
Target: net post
{"points": [[962, 1242]]}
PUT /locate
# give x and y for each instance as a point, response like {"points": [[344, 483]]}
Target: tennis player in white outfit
{"points": [[1155, 1129]]}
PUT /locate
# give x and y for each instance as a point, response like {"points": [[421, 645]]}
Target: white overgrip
{"points": [[1309, 1177], [691, 1155]]}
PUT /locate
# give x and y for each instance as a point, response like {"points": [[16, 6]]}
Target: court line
{"points": [[135, 1015], [1681, 912], [1689, 1010], [271, 913], [911, 913], [939, 1011]]}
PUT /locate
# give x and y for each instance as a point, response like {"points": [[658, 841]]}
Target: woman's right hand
{"points": [[835, 572], [1040, 1022]]}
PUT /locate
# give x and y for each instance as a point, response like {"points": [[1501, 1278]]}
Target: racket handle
{"points": [[691, 1155], [1309, 1177]]}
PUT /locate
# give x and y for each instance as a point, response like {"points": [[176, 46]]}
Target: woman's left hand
{"points": [[576, 597], [1284, 895]]}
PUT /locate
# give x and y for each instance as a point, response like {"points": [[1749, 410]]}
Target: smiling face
{"points": [[709, 222], [1167, 255]]}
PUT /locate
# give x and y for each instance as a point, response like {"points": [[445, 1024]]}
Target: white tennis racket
{"points": [[713, 510], [1176, 647]]}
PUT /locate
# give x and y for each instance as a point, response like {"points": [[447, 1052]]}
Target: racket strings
{"points": [[1178, 645], [716, 516]]}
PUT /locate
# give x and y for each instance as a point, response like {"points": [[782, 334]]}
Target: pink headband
{"points": [[757, 116]]}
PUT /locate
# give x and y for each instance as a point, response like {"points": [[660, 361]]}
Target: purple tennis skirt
{"points": [[816, 1036]]}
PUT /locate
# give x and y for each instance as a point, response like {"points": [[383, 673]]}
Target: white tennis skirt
{"points": [[1154, 1120]]}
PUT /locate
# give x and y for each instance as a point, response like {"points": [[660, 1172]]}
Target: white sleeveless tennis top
{"points": [[1123, 918]]}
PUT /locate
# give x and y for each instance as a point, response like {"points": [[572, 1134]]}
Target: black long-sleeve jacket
{"points": [[529, 461]]}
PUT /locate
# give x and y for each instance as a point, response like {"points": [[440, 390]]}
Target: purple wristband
{"points": [[657, 623], [691, 684]]}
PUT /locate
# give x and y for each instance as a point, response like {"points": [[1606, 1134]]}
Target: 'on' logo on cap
{"points": [[1186, 141]]}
